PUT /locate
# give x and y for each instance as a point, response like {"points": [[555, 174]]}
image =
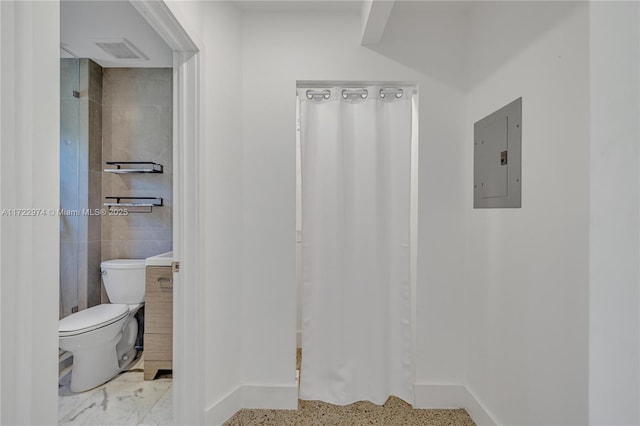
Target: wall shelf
{"points": [[130, 167], [136, 202]]}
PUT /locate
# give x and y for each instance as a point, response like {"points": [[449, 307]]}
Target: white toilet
{"points": [[102, 338]]}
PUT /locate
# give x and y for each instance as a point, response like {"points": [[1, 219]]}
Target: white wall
{"points": [[277, 50], [503, 295], [215, 27], [527, 269], [614, 333], [222, 177], [29, 132], [259, 293]]}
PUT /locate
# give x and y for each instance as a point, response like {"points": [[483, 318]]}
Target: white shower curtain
{"points": [[356, 331]]}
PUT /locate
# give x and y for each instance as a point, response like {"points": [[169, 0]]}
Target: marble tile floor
{"points": [[125, 400]]}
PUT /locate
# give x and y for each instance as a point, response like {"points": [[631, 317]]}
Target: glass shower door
{"points": [[69, 181]]}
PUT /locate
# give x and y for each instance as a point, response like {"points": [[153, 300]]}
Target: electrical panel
{"points": [[497, 143]]}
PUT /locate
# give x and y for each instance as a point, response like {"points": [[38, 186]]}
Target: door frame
{"points": [[188, 389]]}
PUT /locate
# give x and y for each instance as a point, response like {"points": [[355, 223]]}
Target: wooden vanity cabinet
{"points": [[158, 321]]}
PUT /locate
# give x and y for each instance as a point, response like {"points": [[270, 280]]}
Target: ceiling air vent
{"points": [[121, 49]]}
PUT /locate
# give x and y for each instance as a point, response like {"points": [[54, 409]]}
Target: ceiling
{"points": [[324, 6], [83, 23]]}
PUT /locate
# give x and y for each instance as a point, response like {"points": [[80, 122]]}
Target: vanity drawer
{"points": [[159, 283]]}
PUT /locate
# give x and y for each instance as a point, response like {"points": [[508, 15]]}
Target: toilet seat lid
{"points": [[91, 319]]}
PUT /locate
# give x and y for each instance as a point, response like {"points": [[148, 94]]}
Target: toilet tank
{"points": [[124, 280]]}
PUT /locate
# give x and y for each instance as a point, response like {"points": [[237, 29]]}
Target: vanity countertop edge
{"points": [[163, 259]]}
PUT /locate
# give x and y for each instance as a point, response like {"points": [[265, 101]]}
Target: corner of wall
{"points": [[448, 396], [614, 233], [221, 410], [478, 410], [283, 397]]}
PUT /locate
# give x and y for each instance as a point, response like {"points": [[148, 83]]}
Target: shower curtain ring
{"points": [[362, 92], [326, 94], [385, 91]]}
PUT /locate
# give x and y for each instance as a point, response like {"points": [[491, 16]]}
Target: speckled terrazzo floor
{"points": [[317, 413], [393, 412]]}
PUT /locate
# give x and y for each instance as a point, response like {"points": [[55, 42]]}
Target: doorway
{"points": [[356, 239], [184, 60]]}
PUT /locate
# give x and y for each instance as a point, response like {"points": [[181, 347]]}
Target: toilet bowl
{"points": [[102, 338]]}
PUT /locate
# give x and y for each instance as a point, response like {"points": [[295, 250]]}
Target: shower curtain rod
{"points": [[326, 93]]}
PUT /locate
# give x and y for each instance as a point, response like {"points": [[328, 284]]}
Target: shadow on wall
{"points": [[435, 38]]}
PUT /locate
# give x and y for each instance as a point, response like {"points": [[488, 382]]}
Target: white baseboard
{"points": [[478, 411], [227, 406], [285, 397], [252, 396], [439, 396], [452, 396], [270, 397]]}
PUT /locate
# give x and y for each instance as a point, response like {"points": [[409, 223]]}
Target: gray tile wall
{"points": [[122, 115], [137, 126]]}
